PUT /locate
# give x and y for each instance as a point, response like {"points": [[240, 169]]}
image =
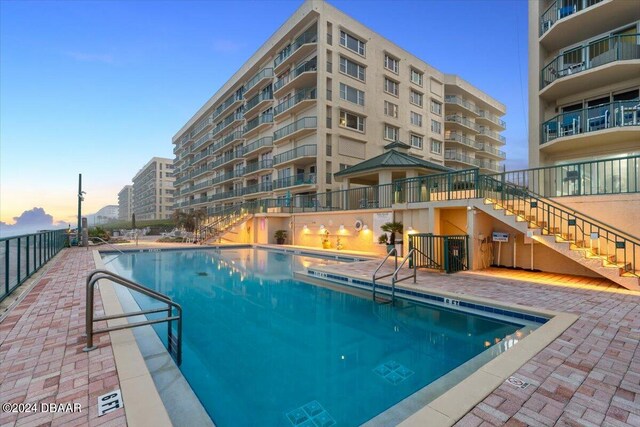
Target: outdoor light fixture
{"points": [[305, 228], [321, 227], [365, 227], [409, 230], [341, 227]]}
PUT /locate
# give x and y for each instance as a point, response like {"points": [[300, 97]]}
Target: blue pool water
{"points": [[263, 349]]}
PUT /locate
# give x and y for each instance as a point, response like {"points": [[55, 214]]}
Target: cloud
{"points": [[104, 58], [30, 222], [226, 46]]}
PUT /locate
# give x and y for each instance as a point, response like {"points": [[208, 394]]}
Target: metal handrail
{"points": [[96, 275], [110, 245], [374, 278]]}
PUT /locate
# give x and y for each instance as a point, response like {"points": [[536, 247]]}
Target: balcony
{"points": [[232, 102], [304, 152], [600, 63], [302, 99], [258, 124], [458, 104], [256, 82], [229, 139], [613, 123], [460, 157], [491, 119], [487, 150], [489, 165], [226, 177], [297, 129], [567, 22], [486, 133], [454, 137], [256, 147], [302, 46], [255, 167], [462, 123], [231, 120], [200, 126], [257, 103], [262, 187], [294, 181], [226, 158], [202, 140], [237, 192], [304, 75]]}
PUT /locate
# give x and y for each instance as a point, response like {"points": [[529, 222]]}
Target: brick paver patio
{"points": [[41, 357], [589, 376]]}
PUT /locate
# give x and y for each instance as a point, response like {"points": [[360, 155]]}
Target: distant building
{"points": [[153, 190], [125, 205]]}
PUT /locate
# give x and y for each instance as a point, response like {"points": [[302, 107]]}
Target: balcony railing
{"points": [[302, 151], [459, 156], [261, 119], [291, 181], [202, 140], [258, 188], [264, 73], [258, 99], [593, 55], [452, 99], [310, 65], [604, 116], [226, 140], [256, 166], [493, 118], [303, 123], [561, 9], [454, 136], [266, 141], [201, 125], [309, 36], [495, 135], [489, 149], [300, 95], [227, 103], [463, 121]]}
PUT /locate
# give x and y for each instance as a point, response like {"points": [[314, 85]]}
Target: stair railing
{"points": [[554, 218], [393, 251]]}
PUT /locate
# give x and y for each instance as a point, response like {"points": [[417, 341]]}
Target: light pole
{"points": [[80, 200]]}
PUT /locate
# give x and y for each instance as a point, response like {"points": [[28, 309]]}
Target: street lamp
{"points": [[80, 200]]}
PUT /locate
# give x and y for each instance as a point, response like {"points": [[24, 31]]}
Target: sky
{"points": [[99, 88]]}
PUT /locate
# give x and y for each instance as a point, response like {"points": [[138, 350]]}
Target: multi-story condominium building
{"points": [[584, 81], [322, 94], [153, 190], [472, 127], [125, 205]]}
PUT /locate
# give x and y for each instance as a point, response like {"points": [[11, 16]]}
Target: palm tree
{"points": [[393, 228]]}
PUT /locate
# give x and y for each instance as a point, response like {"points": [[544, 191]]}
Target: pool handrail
{"points": [[393, 251], [91, 281]]}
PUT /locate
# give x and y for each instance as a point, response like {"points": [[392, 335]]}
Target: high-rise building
{"points": [[322, 94], [584, 80], [472, 127], [153, 190], [125, 204]]}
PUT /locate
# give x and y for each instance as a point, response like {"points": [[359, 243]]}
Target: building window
{"points": [[416, 77], [415, 98], [351, 94], [391, 87], [391, 133], [436, 146], [416, 141], [351, 121], [390, 109], [352, 69], [416, 119], [352, 43], [436, 108], [436, 127], [391, 64], [343, 166]]}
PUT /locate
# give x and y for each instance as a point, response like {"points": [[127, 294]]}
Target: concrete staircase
{"points": [[217, 226], [601, 257]]}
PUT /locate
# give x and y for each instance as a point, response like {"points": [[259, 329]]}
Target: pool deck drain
{"points": [[589, 375]]}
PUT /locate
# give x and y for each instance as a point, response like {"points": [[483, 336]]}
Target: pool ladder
{"points": [[174, 342], [394, 275]]}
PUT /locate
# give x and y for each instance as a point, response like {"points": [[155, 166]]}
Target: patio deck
{"points": [[590, 375]]}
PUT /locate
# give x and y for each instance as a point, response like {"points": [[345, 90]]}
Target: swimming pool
{"points": [[260, 348]]}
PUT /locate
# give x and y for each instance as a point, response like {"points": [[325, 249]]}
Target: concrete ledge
{"points": [[143, 406]]}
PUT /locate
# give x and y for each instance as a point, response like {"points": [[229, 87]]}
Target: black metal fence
{"points": [[21, 256], [446, 253]]}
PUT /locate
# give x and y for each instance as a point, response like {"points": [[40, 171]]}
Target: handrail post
{"points": [[89, 315]]}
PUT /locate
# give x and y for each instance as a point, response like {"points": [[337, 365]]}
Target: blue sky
{"points": [[101, 87]]}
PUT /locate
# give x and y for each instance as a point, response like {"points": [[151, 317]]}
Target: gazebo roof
{"points": [[392, 159]]}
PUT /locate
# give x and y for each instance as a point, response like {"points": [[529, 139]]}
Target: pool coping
{"points": [[454, 404], [133, 374]]}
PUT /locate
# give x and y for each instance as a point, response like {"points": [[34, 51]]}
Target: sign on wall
{"points": [[378, 220]]}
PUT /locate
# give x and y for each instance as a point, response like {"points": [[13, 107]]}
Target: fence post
{"points": [[446, 254], [6, 267], [27, 254], [19, 244]]}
